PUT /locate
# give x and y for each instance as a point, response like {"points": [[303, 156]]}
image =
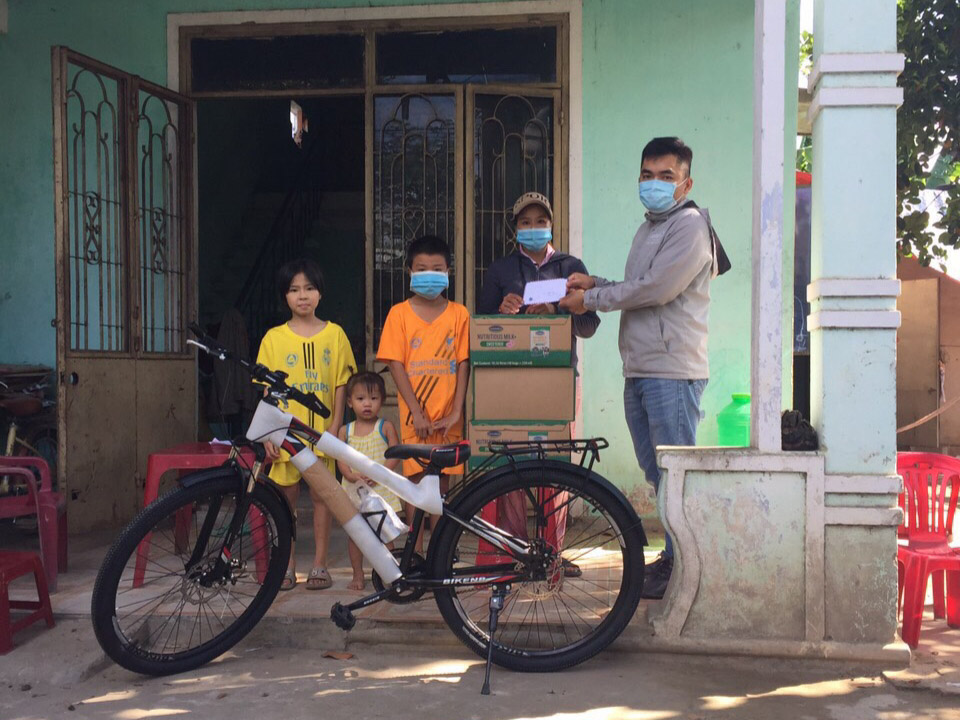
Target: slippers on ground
{"points": [[289, 580], [571, 570], [319, 579]]}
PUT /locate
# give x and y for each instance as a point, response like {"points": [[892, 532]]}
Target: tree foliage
{"points": [[928, 123], [805, 148]]}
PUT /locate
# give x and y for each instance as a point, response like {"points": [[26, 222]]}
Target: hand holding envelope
{"points": [[539, 292], [576, 284]]}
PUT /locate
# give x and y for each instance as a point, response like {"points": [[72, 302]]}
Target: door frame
{"points": [[566, 14], [569, 47]]}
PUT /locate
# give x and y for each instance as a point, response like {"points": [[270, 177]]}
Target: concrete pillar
{"points": [[853, 317], [766, 354]]}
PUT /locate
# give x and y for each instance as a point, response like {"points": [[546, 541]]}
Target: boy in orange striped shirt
{"points": [[425, 343]]}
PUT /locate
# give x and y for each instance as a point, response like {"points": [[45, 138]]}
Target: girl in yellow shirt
{"points": [[317, 358]]}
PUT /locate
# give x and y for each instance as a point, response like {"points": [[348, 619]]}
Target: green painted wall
{"points": [[701, 90], [649, 68]]}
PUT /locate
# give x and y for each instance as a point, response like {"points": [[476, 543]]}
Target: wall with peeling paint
{"points": [[750, 532]]}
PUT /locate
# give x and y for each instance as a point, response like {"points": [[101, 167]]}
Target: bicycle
{"points": [[225, 536], [27, 416]]}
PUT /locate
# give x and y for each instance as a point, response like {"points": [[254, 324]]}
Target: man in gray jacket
{"points": [[664, 301]]}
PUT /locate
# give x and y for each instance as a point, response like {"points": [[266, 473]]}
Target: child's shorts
{"points": [[286, 474]]}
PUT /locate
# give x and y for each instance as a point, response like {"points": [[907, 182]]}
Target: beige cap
{"points": [[532, 198]]}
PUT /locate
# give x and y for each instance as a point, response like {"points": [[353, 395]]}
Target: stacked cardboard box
{"points": [[520, 340], [523, 386]]}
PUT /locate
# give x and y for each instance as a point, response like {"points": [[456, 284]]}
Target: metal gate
{"points": [[123, 155]]}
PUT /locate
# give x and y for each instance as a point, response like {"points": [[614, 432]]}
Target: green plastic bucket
{"points": [[733, 422]]}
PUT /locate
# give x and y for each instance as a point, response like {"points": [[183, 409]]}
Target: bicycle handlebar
{"points": [[274, 379]]}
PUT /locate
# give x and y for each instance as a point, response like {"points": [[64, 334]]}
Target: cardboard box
{"points": [[533, 395], [521, 340], [482, 434]]}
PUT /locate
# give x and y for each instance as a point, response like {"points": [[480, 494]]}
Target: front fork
{"points": [[219, 572]]}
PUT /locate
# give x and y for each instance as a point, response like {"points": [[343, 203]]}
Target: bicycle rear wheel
{"points": [[154, 615], [591, 578]]}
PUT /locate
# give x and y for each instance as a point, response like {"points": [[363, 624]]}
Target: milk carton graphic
{"points": [[540, 340]]}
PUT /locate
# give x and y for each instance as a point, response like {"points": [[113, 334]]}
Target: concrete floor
{"points": [[390, 681]]}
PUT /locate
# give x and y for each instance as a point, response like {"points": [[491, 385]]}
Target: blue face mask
{"points": [[534, 239], [429, 283], [657, 195]]}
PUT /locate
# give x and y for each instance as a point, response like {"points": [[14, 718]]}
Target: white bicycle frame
{"points": [[272, 423]]}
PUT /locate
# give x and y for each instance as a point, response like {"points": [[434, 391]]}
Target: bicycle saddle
{"points": [[443, 456], [21, 405]]}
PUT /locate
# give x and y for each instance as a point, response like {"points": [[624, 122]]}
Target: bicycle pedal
{"points": [[342, 617]]}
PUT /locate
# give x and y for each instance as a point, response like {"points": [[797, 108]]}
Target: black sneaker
{"points": [[655, 581]]}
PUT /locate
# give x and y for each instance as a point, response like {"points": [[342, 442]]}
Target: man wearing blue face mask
{"points": [[534, 259], [664, 301]]}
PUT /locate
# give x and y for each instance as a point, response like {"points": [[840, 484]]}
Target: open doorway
{"points": [[423, 127], [262, 200]]}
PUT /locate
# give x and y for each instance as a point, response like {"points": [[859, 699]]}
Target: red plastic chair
{"points": [[912, 462], [49, 507], [13, 565], [188, 457], [931, 486]]}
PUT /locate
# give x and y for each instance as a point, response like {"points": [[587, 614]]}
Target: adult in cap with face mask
{"points": [[535, 258], [663, 302]]}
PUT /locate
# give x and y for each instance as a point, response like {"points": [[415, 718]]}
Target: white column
{"points": [[767, 254], [853, 287], [853, 311]]}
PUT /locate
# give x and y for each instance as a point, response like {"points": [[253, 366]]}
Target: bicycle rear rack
{"points": [[541, 450]]}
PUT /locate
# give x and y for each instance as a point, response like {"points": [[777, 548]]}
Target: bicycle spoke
{"points": [[170, 612], [550, 610]]}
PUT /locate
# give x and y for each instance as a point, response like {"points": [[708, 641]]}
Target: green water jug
{"points": [[733, 422]]}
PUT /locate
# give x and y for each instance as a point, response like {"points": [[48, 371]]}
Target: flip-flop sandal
{"points": [[289, 580], [319, 579], [571, 570]]}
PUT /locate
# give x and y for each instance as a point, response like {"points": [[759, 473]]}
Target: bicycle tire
{"points": [[133, 639], [605, 540]]}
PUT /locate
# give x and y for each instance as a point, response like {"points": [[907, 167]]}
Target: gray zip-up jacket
{"points": [[664, 298]]}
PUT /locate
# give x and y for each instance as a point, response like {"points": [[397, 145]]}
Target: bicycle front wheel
{"points": [[154, 611], [587, 589]]}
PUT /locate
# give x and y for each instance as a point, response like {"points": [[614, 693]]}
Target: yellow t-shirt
{"points": [[430, 353], [318, 364]]}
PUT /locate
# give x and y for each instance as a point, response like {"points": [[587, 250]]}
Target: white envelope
{"points": [[544, 291]]}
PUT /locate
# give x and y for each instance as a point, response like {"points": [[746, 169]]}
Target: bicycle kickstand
{"points": [[497, 598]]}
